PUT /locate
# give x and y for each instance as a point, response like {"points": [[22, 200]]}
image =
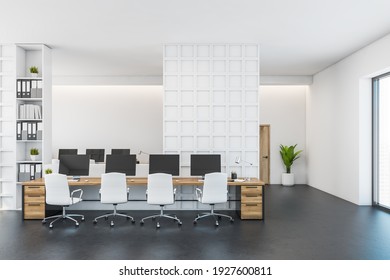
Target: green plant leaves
{"points": [[289, 155]]}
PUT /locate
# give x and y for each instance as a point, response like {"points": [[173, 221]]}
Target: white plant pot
{"points": [[33, 157], [287, 179], [34, 75]]}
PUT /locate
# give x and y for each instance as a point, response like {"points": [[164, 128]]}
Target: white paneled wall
{"points": [[211, 104]]}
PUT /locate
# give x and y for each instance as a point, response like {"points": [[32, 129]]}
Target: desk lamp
{"points": [[141, 152]]}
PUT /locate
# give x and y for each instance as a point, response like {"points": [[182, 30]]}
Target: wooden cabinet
{"points": [[251, 206], [34, 202]]}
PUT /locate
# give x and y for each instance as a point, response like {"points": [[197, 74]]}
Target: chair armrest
{"points": [[75, 191], [228, 194], [198, 193]]}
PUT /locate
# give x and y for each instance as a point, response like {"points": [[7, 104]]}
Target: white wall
{"points": [[284, 108], [339, 124], [108, 117]]}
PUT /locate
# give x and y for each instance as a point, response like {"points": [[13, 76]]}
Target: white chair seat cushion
{"points": [[64, 202], [113, 201]]}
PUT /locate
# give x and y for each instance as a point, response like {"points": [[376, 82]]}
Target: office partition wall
{"points": [[211, 104]]}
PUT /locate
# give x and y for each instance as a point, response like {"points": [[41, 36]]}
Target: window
{"points": [[381, 140]]}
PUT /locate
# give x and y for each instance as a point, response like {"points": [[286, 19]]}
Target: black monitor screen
{"points": [[96, 154], [66, 152], [74, 165], [121, 163], [203, 164], [120, 151], [169, 164]]}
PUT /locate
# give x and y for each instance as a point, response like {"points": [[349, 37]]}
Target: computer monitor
{"points": [[203, 164], [121, 163], [74, 165], [120, 151], [96, 154], [66, 152], [169, 164]]}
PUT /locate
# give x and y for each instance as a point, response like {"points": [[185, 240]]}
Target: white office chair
{"points": [[214, 191], [113, 191], [58, 193], [160, 192]]}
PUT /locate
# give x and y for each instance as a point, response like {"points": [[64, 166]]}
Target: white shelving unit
{"points": [[15, 60], [211, 104]]}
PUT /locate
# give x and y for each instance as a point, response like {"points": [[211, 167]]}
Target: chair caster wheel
{"points": [[195, 222], [219, 217], [179, 224], [133, 221], [43, 222], [77, 224], [95, 222], [82, 219], [231, 220], [216, 224], [112, 224], [158, 225], [141, 223], [50, 226]]}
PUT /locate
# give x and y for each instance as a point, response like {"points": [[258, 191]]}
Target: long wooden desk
{"points": [[250, 206]]}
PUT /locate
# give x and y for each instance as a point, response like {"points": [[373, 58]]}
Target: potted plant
{"points": [[34, 71], [48, 171], [288, 156], [34, 152]]}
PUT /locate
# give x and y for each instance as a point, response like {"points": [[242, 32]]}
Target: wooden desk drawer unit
{"points": [[251, 202], [34, 202]]}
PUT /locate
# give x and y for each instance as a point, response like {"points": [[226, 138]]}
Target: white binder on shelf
{"points": [[29, 131], [34, 131], [18, 131]]}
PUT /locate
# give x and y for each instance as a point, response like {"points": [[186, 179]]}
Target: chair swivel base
{"points": [[162, 215], [63, 216], [114, 214], [214, 215]]}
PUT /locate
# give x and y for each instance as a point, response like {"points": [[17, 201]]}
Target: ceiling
{"points": [[125, 37]]}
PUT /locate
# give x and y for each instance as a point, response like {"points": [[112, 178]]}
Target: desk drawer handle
{"points": [[252, 194], [251, 204], [34, 204], [32, 187], [34, 195]]}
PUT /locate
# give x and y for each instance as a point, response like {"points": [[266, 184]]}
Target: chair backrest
{"points": [[57, 189], [215, 188], [113, 188], [160, 189]]}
